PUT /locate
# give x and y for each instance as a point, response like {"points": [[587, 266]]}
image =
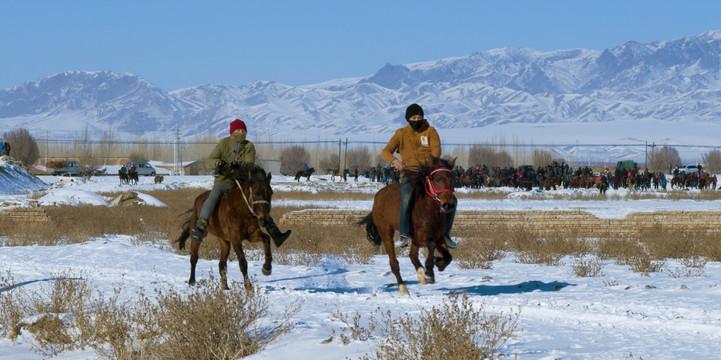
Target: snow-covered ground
{"points": [[562, 316]]}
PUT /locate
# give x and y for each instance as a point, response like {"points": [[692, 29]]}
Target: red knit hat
{"points": [[236, 125]]}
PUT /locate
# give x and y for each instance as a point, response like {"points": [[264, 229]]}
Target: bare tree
{"points": [[24, 148], [330, 162], [293, 157], [481, 155], [541, 157], [503, 159], [712, 161], [359, 158], [664, 159]]}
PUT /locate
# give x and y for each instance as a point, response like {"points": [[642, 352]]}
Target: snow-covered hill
{"points": [[673, 82]]}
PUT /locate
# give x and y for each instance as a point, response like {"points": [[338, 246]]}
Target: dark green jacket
{"points": [[228, 150]]}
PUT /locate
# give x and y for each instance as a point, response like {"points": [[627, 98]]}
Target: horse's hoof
{"points": [[403, 289], [430, 279], [267, 272], [421, 276]]}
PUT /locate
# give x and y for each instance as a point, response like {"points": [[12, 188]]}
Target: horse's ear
{"points": [[450, 164], [267, 179]]}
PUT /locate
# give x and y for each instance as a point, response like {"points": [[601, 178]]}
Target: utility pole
{"points": [[339, 148], [176, 153], [345, 155]]}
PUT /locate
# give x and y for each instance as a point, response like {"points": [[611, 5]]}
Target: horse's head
{"points": [[437, 179], [255, 185]]}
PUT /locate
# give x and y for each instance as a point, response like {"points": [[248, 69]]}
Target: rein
{"points": [[431, 189], [251, 201]]}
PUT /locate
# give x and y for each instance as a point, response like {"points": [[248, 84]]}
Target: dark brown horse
{"points": [[133, 177], [240, 215], [432, 198], [305, 174], [123, 176]]}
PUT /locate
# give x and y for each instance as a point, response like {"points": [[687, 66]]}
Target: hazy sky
{"points": [[176, 43]]}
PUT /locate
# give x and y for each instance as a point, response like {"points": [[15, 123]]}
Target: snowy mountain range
{"points": [[673, 82]]}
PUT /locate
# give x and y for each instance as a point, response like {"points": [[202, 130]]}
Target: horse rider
{"points": [[232, 149], [416, 143]]}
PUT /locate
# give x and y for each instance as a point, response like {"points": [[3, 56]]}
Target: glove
{"points": [[220, 164], [236, 163]]}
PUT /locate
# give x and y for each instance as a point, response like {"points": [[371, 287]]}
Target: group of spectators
{"points": [[4, 148]]}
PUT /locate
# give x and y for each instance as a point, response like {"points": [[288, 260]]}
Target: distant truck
{"points": [[69, 167], [625, 164]]}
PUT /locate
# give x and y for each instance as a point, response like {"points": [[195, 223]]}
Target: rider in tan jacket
{"points": [[416, 143]]}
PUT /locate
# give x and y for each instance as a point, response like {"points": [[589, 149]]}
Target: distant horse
{"points": [[159, 179], [432, 198], [336, 172], [602, 184], [305, 174], [123, 176], [133, 177], [240, 215]]}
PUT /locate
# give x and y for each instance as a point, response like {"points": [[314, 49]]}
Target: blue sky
{"points": [[176, 44]]}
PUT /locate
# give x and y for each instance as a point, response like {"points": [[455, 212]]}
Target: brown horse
{"points": [[432, 198], [240, 215], [305, 174], [133, 177], [159, 179], [123, 176]]}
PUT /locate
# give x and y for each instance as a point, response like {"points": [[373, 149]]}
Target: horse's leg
{"points": [[428, 277], [242, 263], [223, 263], [443, 260], [420, 271], [194, 246], [387, 236], [267, 266]]}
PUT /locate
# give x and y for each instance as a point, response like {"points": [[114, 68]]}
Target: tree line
{"points": [[321, 155]]}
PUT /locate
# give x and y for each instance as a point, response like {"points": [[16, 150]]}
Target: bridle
{"points": [[431, 189], [251, 202]]}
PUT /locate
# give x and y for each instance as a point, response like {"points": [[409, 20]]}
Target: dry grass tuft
{"points": [[588, 267], [456, 329], [206, 323]]}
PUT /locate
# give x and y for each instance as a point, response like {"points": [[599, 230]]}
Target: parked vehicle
{"points": [[625, 164], [686, 169], [69, 167], [142, 167]]}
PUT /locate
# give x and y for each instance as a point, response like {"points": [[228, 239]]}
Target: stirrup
{"points": [[199, 231], [450, 243], [402, 241]]}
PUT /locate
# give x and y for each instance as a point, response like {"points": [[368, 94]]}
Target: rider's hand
{"points": [[398, 165], [220, 164]]}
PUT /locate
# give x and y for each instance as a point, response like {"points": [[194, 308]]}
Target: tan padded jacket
{"points": [[415, 147]]}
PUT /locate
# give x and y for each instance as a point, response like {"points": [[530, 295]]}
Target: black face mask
{"points": [[415, 125]]}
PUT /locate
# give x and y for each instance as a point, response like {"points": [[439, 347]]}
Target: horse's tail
{"points": [[371, 229], [185, 234]]}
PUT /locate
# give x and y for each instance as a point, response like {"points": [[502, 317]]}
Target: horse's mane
{"points": [[416, 178], [246, 173]]}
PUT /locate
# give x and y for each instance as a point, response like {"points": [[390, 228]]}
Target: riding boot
{"points": [[277, 236], [199, 231]]}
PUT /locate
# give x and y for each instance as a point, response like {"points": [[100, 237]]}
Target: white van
{"points": [[686, 169], [142, 167]]}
